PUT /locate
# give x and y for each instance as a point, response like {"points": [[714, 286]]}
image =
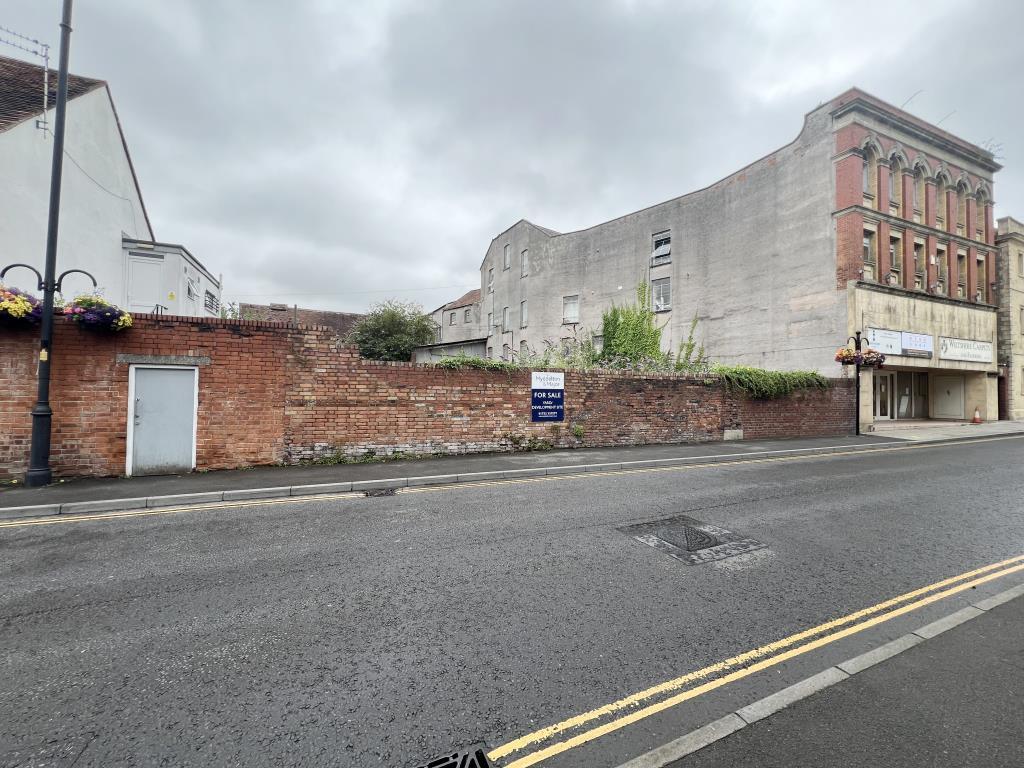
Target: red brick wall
{"points": [[277, 393]]}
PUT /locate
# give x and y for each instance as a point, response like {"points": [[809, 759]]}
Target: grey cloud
{"points": [[325, 153]]}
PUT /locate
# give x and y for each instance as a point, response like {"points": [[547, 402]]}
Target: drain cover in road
{"points": [[473, 757], [691, 541]]}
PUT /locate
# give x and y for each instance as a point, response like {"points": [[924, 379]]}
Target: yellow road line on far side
{"points": [[76, 518], [148, 512], [543, 754]]}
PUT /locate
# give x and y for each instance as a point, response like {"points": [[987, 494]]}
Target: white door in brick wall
{"points": [[162, 419]]}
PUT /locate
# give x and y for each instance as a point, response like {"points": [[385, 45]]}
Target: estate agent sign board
{"points": [[548, 400]]}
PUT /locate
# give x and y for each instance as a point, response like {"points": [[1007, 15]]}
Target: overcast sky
{"points": [[336, 153]]}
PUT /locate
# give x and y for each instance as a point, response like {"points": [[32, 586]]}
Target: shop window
{"points": [[570, 309], [662, 293]]}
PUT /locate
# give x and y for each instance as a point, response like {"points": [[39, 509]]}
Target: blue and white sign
{"points": [[548, 396]]}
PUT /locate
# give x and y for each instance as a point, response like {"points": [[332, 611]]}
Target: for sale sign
{"points": [[547, 396]]}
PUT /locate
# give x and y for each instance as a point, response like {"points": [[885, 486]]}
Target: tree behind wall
{"points": [[391, 330]]}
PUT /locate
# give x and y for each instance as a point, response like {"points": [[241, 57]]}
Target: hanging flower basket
{"points": [[97, 313], [871, 358], [868, 358], [18, 308]]}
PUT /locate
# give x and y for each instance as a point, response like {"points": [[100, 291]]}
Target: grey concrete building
{"points": [[459, 329], [1010, 293], [870, 220]]}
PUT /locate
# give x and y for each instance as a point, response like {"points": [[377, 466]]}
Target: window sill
{"points": [[662, 311], [660, 263], [570, 322]]}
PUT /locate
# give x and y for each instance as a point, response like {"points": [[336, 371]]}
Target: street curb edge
{"points": [[203, 497]]}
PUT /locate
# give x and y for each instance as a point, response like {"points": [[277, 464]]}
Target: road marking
{"points": [[73, 518], [559, 747], [764, 650], [76, 518]]}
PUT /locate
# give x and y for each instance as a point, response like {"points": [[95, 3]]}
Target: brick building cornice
{"points": [[856, 100]]}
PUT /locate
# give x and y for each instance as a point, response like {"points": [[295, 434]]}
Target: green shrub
{"points": [[630, 332], [767, 385], [460, 361], [391, 330]]}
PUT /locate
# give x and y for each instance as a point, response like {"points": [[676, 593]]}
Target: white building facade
{"points": [[103, 220]]}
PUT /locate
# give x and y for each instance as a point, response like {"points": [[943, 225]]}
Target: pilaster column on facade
{"points": [[970, 217], [990, 229], [884, 264], [882, 193], [931, 269], [972, 272], [929, 202], [952, 270], [951, 211], [908, 258], [849, 181], [849, 248]]}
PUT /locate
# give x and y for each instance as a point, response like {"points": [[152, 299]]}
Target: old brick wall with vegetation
{"points": [[273, 392]]}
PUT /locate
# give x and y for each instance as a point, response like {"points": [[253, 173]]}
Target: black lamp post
{"points": [[39, 472], [857, 342]]}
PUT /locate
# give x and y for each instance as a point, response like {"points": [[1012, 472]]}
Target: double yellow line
{"points": [[666, 695]]}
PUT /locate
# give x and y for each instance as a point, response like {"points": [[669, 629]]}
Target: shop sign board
{"points": [[886, 342], [917, 344], [967, 350], [547, 396], [903, 343]]}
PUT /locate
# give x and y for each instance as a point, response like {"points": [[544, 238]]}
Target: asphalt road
{"points": [[386, 631]]}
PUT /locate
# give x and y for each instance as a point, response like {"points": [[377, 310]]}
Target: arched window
{"points": [[869, 180], [961, 207], [941, 212], [980, 220]]}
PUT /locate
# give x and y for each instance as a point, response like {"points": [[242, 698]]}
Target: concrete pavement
{"points": [[387, 631]]}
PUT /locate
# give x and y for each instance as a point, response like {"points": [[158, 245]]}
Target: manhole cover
{"points": [[691, 541], [473, 757]]}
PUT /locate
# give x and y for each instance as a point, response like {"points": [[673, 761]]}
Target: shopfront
{"points": [[940, 356]]}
